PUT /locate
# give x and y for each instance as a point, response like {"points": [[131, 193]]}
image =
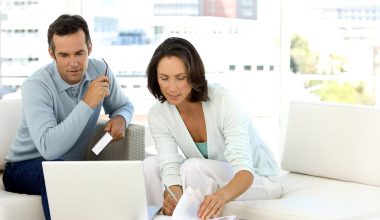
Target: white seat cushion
{"points": [[10, 117], [306, 197], [14, 206]]}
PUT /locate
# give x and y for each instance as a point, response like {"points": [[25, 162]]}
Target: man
{"points": [[61, 104]]}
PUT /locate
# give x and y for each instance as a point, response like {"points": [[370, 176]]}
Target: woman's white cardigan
{"points": [[231, 137]]}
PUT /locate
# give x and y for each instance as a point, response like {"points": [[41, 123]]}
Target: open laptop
{"points": [[96, 190]]}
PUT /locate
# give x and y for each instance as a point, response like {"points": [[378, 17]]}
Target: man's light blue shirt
{"points": [[56, 123]]}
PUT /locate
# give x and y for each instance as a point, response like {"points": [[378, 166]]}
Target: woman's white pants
{"points": [[207, 176]]}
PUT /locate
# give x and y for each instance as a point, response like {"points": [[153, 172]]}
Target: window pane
{"points": [[237, 40], [23, 41], [334, 50]]}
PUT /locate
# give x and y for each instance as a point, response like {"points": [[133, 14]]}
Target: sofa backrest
{"points": [[10, 117], [334, 141]]}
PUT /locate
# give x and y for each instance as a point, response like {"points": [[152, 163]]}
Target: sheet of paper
{"points": [[102, 143], [162, 217], [230, 217], [188, 205], [153, 212]]}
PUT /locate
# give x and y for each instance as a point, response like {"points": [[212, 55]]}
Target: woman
{"points": [[223, 155]]}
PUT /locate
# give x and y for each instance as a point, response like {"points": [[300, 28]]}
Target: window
{"points": [[23, 47], [327, 52], [247, 68], [232, 68], [232, 37], [333, 51]]}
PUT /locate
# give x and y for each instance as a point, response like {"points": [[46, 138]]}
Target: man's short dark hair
{"points": [[67, 24], [184, 50]]}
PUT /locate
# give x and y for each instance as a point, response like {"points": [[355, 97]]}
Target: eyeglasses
{"points": [[106, 74]]}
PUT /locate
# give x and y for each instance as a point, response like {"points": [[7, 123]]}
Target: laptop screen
{"points": [[96, 190]]}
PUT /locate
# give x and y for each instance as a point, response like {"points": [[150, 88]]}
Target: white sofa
{"points": [[332, 153], [14, 206]]}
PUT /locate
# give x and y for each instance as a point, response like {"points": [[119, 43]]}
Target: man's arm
{"points": [[116, 127], [50, 138], [119, 108]]}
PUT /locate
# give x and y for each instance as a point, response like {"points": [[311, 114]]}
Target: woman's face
{"points": [[172, 79]]}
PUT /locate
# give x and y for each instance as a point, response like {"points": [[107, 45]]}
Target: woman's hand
{"points": [[212, 206], [170, 203]]}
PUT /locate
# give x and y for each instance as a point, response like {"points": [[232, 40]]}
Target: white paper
{"points": [[153, 212], [162, 217], [188, 205], [230, 217], [102, 143]]}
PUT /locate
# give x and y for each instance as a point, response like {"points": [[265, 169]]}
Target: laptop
{"points": [[96, 190]]}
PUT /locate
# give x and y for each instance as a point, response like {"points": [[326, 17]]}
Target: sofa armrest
{"points": [[132, 147]]}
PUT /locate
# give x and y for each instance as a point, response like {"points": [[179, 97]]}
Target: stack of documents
{"points": [[188, 206]]}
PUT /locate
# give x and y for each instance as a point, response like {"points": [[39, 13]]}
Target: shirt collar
{"points": [[61, 84]]}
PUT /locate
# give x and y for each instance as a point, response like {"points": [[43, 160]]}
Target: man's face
{"points": [[71, 54]]}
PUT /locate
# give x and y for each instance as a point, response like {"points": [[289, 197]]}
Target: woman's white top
{"points": [[231, 137]]}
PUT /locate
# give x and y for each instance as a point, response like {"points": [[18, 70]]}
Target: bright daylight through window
{"points": [[267, 52]]}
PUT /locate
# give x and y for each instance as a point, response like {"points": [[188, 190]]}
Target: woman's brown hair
{"points": [[184, 50]]}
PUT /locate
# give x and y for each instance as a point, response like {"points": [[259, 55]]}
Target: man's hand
{"points": [[116, 127], [97, 90]]}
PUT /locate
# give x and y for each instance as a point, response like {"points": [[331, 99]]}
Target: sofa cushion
{"points": [[334, 141], [10, 117], [307, 198], [14, 206]]}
